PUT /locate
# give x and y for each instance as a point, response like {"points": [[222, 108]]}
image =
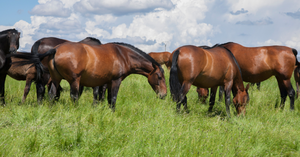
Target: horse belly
{"points": [[92, 80], [207, 82]]}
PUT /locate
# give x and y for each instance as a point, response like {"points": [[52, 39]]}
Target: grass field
{"points": [[143, 125]]}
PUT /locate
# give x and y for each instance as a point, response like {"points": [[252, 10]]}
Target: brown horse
{"points": [[297, 79], [161, 58], [9, 43], [260, 63], [202, 94], [207, 68], [43, 45], [97, 65]]}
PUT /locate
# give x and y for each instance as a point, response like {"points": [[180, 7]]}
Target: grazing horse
{"points": [[161, 58], [207, 68], [97, 65], [43, 45], [9, 43], [260, 63], [202, 94]]}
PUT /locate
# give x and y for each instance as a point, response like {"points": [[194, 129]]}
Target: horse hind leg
{"points": [[113, 89], [290, 93], [283, 92], [182, 98], [27, 88], [212, 99], [75, 89]]}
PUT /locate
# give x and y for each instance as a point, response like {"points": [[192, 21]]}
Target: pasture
{"points": [[144, 125]]}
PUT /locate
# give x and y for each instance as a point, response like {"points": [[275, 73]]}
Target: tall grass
{"points": [[143, 125]]}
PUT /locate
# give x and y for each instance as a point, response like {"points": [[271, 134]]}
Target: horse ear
{"points": [[247, 87]]}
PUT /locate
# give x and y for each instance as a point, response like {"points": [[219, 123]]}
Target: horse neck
{"points": [[140, 65], [238, 84]]}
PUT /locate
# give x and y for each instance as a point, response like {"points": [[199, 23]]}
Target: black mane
{"points": [[2, 33], [141, 53], [93, 39], [226, 43], [208, 47]]}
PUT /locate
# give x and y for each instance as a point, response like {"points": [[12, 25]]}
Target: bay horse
{"points": [[43, 45], [207, 68], [260, 63], [97, 65], [9, 44], [161, 57]]}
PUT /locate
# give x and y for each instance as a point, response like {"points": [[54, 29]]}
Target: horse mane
{"points": [[208, 47], [226, 43], [231, 54], [93, 39], [2, 33], [141, 53]]}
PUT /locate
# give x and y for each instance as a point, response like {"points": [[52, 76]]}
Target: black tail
{"points": [[175, 85], [35, 59], [35, 47], [297, 62]]}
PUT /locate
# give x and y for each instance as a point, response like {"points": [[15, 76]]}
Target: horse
{"points": [[260, 63], [9, 44], [202, 94], [97, 65], [297, 79], [161, 57], [207, 68], [43, 45]]}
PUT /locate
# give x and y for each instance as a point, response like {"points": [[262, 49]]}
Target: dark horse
{"points": [[43, 45], [207, 68], [9, 43], [260, 63], [297, 79], [96, 65]]}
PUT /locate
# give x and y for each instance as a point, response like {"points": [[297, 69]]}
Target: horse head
{"points": [[13, 37], [156, 79], [240, 100]]}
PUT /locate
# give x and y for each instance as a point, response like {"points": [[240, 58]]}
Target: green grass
{"points": [[143, 125]]}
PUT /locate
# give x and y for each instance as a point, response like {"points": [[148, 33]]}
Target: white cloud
{"points": [[51, 8]]}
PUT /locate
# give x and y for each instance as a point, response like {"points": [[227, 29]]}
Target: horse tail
{"points": [[35, 47], [175, 85], [35, 59], [297, 62]]}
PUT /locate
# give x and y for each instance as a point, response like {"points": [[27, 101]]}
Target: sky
{"points": [[156, 25]]}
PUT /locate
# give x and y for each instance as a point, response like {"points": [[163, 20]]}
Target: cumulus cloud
{"points": [[51, 8], [120, 7]]}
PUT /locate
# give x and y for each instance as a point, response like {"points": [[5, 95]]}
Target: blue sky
{"points": [[152, 24]]}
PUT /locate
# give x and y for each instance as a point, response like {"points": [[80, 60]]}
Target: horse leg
{"points": [[113, 89], [228, 88], [95, 94], [290, 92], [54, 92], [27, 88], [283, 92], [297, 85], [258, 85], [40, 91], [102, 92], [74, 92], [221, 92], [2, 87], [80, 90], [182, 98], [212, 99]]}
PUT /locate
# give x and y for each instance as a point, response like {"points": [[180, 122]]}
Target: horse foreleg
{"points": [[27, 88], [2, 87], [99, 93], [297, 85], [113, 90], [228, 88], [258, 85], [212, 99], [80, 90], [290, 92]]}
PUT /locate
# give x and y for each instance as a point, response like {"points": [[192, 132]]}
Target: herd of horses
{"points": [[103, 66]]}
